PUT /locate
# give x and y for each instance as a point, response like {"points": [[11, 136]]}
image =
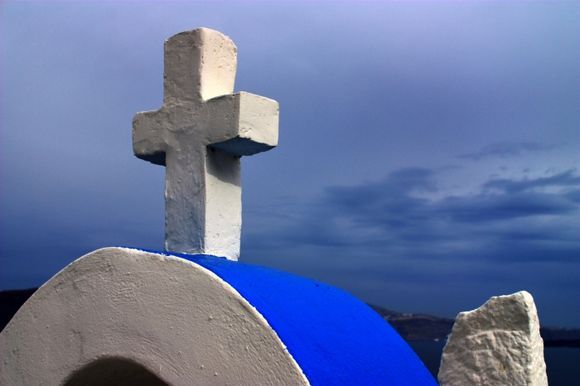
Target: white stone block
{"points": [[497, 344]]}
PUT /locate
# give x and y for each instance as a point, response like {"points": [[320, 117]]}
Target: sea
{"points": [[562, 363]]}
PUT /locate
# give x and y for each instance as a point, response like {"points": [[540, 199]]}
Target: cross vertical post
{"points": [[199, 135]]}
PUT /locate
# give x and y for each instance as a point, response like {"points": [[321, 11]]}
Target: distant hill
{"points": [[412, 327], [428, 327], [10, 302], [416, 326]]}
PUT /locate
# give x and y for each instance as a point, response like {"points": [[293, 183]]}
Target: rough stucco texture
{"points": [[496, 344], [199, 134], [175, 318]]}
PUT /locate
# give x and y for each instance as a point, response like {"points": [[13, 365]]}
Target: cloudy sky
{"points": [[429, 152]]}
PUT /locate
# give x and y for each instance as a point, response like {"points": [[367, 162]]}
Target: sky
{"points": [[428, 157]]}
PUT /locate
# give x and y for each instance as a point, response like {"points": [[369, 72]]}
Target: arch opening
{"points": [[113, 371]]}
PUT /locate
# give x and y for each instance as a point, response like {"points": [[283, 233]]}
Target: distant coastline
{"points": [[412, 327], [423, 327]]}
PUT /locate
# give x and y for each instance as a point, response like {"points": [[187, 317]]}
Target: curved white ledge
{"points": [[174, 318]]}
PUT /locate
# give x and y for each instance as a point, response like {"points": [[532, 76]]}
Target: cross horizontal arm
{"points": [[250, 127], [199, 134], [148, 141]]}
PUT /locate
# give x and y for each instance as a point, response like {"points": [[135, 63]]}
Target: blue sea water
{"points": [[562, 363]]}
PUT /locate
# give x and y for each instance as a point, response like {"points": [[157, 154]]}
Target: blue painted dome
{"points": [[335, 338]]}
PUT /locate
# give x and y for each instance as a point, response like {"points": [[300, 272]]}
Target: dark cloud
{"points": [[503, 206], [389, 241], [574, 195], [567, 178], [506, 149], [395, 216]]}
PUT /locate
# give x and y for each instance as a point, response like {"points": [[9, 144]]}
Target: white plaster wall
{"points": [[175, 318]]}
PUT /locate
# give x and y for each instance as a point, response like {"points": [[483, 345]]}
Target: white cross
{"points": [[199, 134]]}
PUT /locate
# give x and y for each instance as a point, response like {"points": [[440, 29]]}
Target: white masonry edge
{"points": [[235, 292], [170, 315]]}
